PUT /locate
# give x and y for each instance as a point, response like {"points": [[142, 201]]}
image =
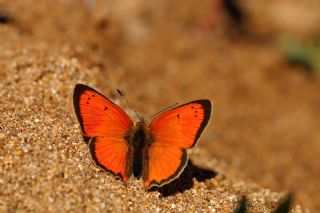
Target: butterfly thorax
{"points": [[138, 140]]}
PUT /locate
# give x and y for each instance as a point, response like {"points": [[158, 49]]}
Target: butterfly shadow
{"points": [[185, 181]]}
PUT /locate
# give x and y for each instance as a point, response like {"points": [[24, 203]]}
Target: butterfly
{"points": [[155, 152]]}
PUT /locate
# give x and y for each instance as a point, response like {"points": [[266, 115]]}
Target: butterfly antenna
{"points": [[165, 109], [130, 106]]}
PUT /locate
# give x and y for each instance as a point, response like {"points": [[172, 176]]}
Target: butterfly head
{"points": [[141, 122]]}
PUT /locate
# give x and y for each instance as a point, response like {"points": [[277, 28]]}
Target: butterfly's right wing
{"points": [[107, 125]]}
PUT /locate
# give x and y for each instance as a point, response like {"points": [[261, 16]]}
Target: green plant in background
{"points": [[306, 54], [284, 206]]}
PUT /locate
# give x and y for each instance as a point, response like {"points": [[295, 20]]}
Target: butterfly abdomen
{"points": [[139, 141]]}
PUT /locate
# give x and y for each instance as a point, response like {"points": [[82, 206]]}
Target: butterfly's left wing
{"points": [[106, 124], [172, 133]]}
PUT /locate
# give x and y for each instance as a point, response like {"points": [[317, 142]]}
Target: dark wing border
{"points": [[207, 106]]}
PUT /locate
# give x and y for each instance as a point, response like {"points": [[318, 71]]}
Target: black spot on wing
{"points": [[79, 90]]}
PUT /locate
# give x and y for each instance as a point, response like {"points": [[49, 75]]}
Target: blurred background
{"points": [[258, 61]]}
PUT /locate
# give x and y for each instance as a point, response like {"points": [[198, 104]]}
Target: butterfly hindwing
{"points": [[106, 124], [111, 155], [165, 163], [172, 133]]}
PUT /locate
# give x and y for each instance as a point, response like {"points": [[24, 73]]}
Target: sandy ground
{"points": [[45, 166], [263, 140]]}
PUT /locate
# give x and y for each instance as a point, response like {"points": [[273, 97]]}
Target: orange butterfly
{"points": [[157, 152]]}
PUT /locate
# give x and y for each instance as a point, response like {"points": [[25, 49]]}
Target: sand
{"points": [[45, 165], [262, 141]]}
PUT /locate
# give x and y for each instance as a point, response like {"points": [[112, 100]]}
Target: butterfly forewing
{"points": [[172, 133], [107, 124], [97, 115]]}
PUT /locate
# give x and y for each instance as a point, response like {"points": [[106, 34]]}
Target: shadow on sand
{"points": [[185, 182]]}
